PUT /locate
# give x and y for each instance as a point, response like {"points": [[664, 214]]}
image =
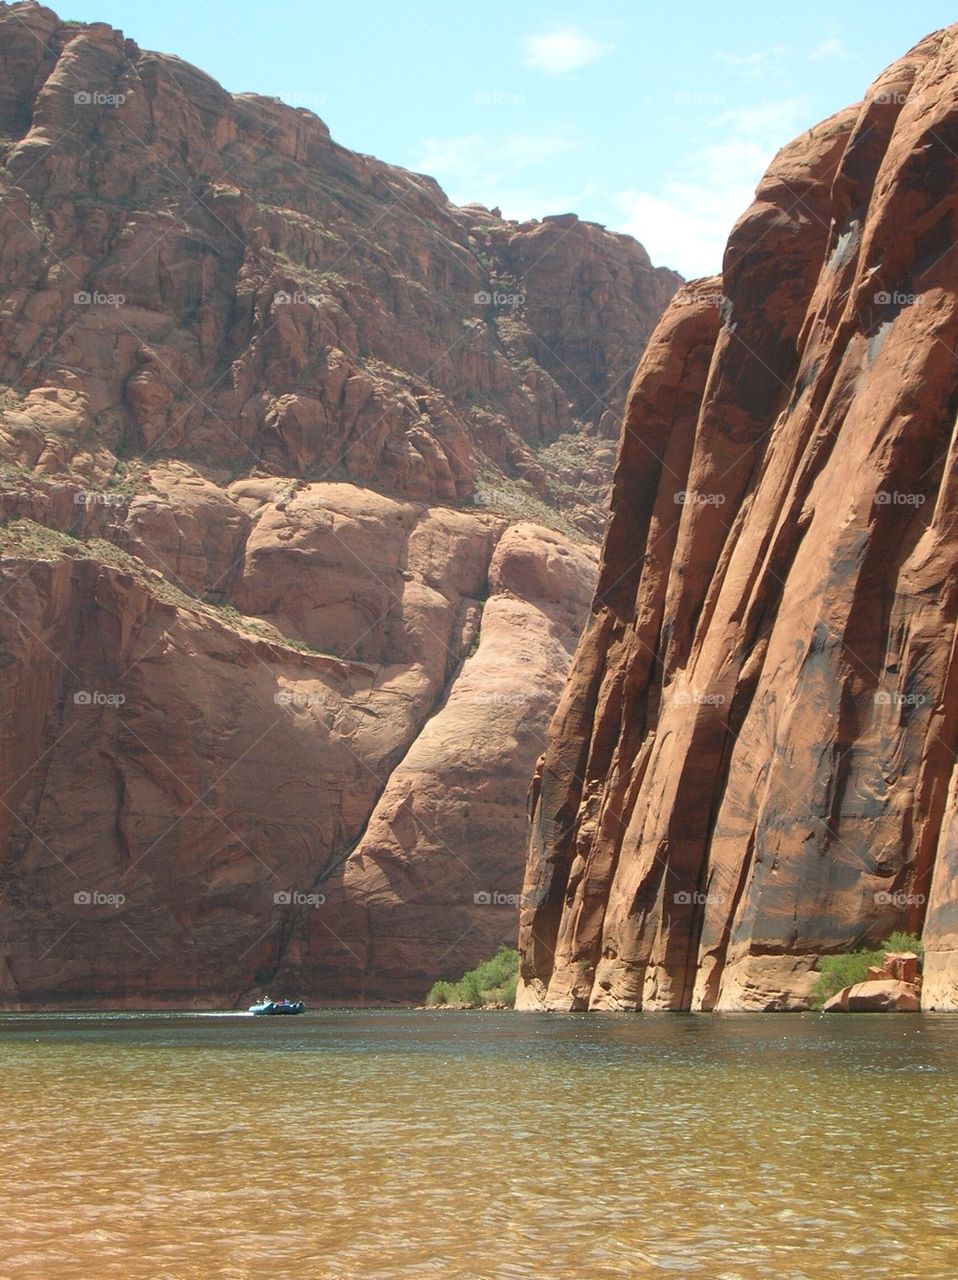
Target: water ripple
{"points": [[379, 1146]]}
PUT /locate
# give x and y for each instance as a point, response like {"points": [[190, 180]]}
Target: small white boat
{"points": [[269, 1007]]}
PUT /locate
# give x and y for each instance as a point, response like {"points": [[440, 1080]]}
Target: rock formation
{"points": [[300, 468], [892, 987], [753, 762]]}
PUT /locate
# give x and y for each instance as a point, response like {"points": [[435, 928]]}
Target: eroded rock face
{"points": [[753, 762], [430, 866], [226, 283], [300, 469], [197, 806]]}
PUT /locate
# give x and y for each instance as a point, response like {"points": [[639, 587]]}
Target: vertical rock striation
{"points": [[753, 762]]}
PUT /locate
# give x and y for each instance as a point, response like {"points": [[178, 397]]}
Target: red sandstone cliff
{"points": [[300, 466], [754, 760]]}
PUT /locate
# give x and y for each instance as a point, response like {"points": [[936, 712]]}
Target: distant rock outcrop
{"points": [[300, 468]]}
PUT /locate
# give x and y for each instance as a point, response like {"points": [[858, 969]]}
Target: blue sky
{"points": [[653, 119]]}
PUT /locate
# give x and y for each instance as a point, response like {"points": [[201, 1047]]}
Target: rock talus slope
{"points": [[753, 761], [300, 471]]}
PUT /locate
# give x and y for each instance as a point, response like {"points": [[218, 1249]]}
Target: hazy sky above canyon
{"points": [[657, 120]]}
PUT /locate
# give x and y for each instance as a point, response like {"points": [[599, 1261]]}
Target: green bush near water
{"points": [[904, 942], [836, 972], [492, 982]]}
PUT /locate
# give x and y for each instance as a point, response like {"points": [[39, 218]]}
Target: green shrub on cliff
{"points": [[836, 972], [492, 982]]}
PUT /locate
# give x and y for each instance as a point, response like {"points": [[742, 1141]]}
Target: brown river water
{"points": [[370, 1145]]}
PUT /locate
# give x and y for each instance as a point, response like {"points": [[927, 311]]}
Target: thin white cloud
{"points": [[471, 167], [752, 65], [562, 50], [831, 48], [685, 223], [685, 220], [768, 121]]}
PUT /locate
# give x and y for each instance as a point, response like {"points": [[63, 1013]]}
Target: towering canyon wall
{"points": [[754, 759], [301, 468]]}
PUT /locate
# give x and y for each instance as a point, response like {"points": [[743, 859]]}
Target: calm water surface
{"points": [[479, 1146]]}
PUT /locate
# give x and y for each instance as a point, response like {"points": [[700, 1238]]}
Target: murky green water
{"points": [[372, 1145]]}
